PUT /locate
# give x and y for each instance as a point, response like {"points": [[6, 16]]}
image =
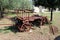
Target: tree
{"points": [[49, 4], [14, 4], [3, 4], [20, 4]]}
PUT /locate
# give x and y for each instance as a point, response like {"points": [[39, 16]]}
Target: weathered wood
{"points": [[26, 22], [53, 29]]}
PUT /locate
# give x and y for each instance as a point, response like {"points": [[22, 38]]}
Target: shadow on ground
{"points": [[13, 29]]}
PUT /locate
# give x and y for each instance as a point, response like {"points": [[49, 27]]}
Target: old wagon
{"points": [[26, 20]]}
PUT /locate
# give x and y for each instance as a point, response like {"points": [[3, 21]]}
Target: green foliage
{"points": [[47, 3], [16, 4], [20, 4], [4, 4]]}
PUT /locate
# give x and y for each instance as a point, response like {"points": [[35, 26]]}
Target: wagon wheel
{"points": [[24, 27], [21, 28], [27, 27]]}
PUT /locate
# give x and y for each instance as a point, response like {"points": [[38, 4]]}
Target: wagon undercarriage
{"points": [[25, 23]]}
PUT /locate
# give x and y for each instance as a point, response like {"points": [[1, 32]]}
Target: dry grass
{"points": [[37, 34]]}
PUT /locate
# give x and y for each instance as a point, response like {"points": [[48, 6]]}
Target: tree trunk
{"points": [[1, 12], [51, 14]]}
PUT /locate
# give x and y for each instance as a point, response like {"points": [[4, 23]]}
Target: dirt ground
{"points": [[37, 34]]}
